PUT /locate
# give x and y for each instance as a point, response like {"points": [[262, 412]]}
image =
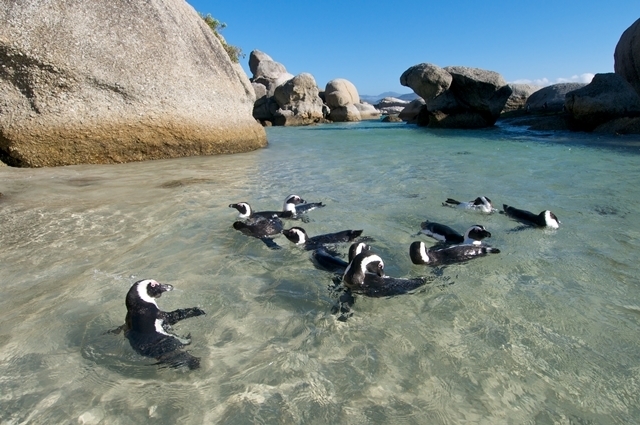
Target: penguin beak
{"points": [[165, 287]]}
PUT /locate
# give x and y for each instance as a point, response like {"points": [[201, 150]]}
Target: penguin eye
{"points": [[153, 283]]}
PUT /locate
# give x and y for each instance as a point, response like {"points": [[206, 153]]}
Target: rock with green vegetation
{"points": [[114, 81]]}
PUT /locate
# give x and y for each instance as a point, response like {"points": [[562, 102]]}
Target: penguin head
{"points": [[484, 203], [148, 290], [418, 253], [291, 201], [243, 208], [363, 263], [550, 219], [297, 235], [475, 234]]}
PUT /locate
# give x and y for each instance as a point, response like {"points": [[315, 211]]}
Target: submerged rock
{"points": [[116, 81]]}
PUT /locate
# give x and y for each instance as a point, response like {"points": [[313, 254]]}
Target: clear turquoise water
{"points": [[546, 332]]}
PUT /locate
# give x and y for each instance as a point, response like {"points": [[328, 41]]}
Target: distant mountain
{"points": [[375, 99]]}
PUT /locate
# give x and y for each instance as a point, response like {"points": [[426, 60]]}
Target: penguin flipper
{"points": [[173, 317], [177, 359], [270, 243]]}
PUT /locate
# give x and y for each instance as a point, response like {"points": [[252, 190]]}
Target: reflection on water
{"points": [[544, 332]]}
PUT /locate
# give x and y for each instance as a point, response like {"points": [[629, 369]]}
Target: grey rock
{"points": [[426, 80], [392, 118], [485, 92], [607, 97], [348, 113], [410, 112], [117, 81], [391, 105], [627, 56], [457, 96], [298, 102], [550, 98], [519, 95], [367, 111], [255, 57], [340, 92]]}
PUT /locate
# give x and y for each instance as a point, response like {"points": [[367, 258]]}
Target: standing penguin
{"points": [[147, 327]]}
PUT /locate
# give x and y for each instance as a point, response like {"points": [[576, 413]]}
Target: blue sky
{"points": [[371, 43]]}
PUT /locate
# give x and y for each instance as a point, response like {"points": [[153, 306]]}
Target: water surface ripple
{"points": [[546, 332]]}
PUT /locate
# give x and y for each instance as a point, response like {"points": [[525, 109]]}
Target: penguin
{"points": [[262, 228], [545, 219], [293, 206], [474, 234], [147, 327], [325, 260], [447, 255], [299, 236], [301, 206], [246, 212], [365, 275], [481, 204]]}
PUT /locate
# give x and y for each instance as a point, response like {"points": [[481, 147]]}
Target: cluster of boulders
{"points": [[284, 99], [165, 87], [460, 97]]}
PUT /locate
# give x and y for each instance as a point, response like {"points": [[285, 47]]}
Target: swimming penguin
{"points": [[545, 219], [365, 275], [325, 260], [292, 207], [474, 234], [448, 255], [245, 211], [299, 236], [147, 327], [301, 206], [480, 204], [262, 228]]}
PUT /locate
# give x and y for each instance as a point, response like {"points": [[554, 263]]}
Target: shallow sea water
{"points": [[546, 332]]}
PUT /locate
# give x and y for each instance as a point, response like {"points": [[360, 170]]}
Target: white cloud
{"points": [[582, 78]]}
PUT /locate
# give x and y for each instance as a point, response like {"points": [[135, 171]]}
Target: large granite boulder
{"points": [[466, 98], [627, 56], [116, 81], [606, 98], [341, 96], [550, 98], [340, 92], [298, 102], [426, 80], [519, 95]]}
